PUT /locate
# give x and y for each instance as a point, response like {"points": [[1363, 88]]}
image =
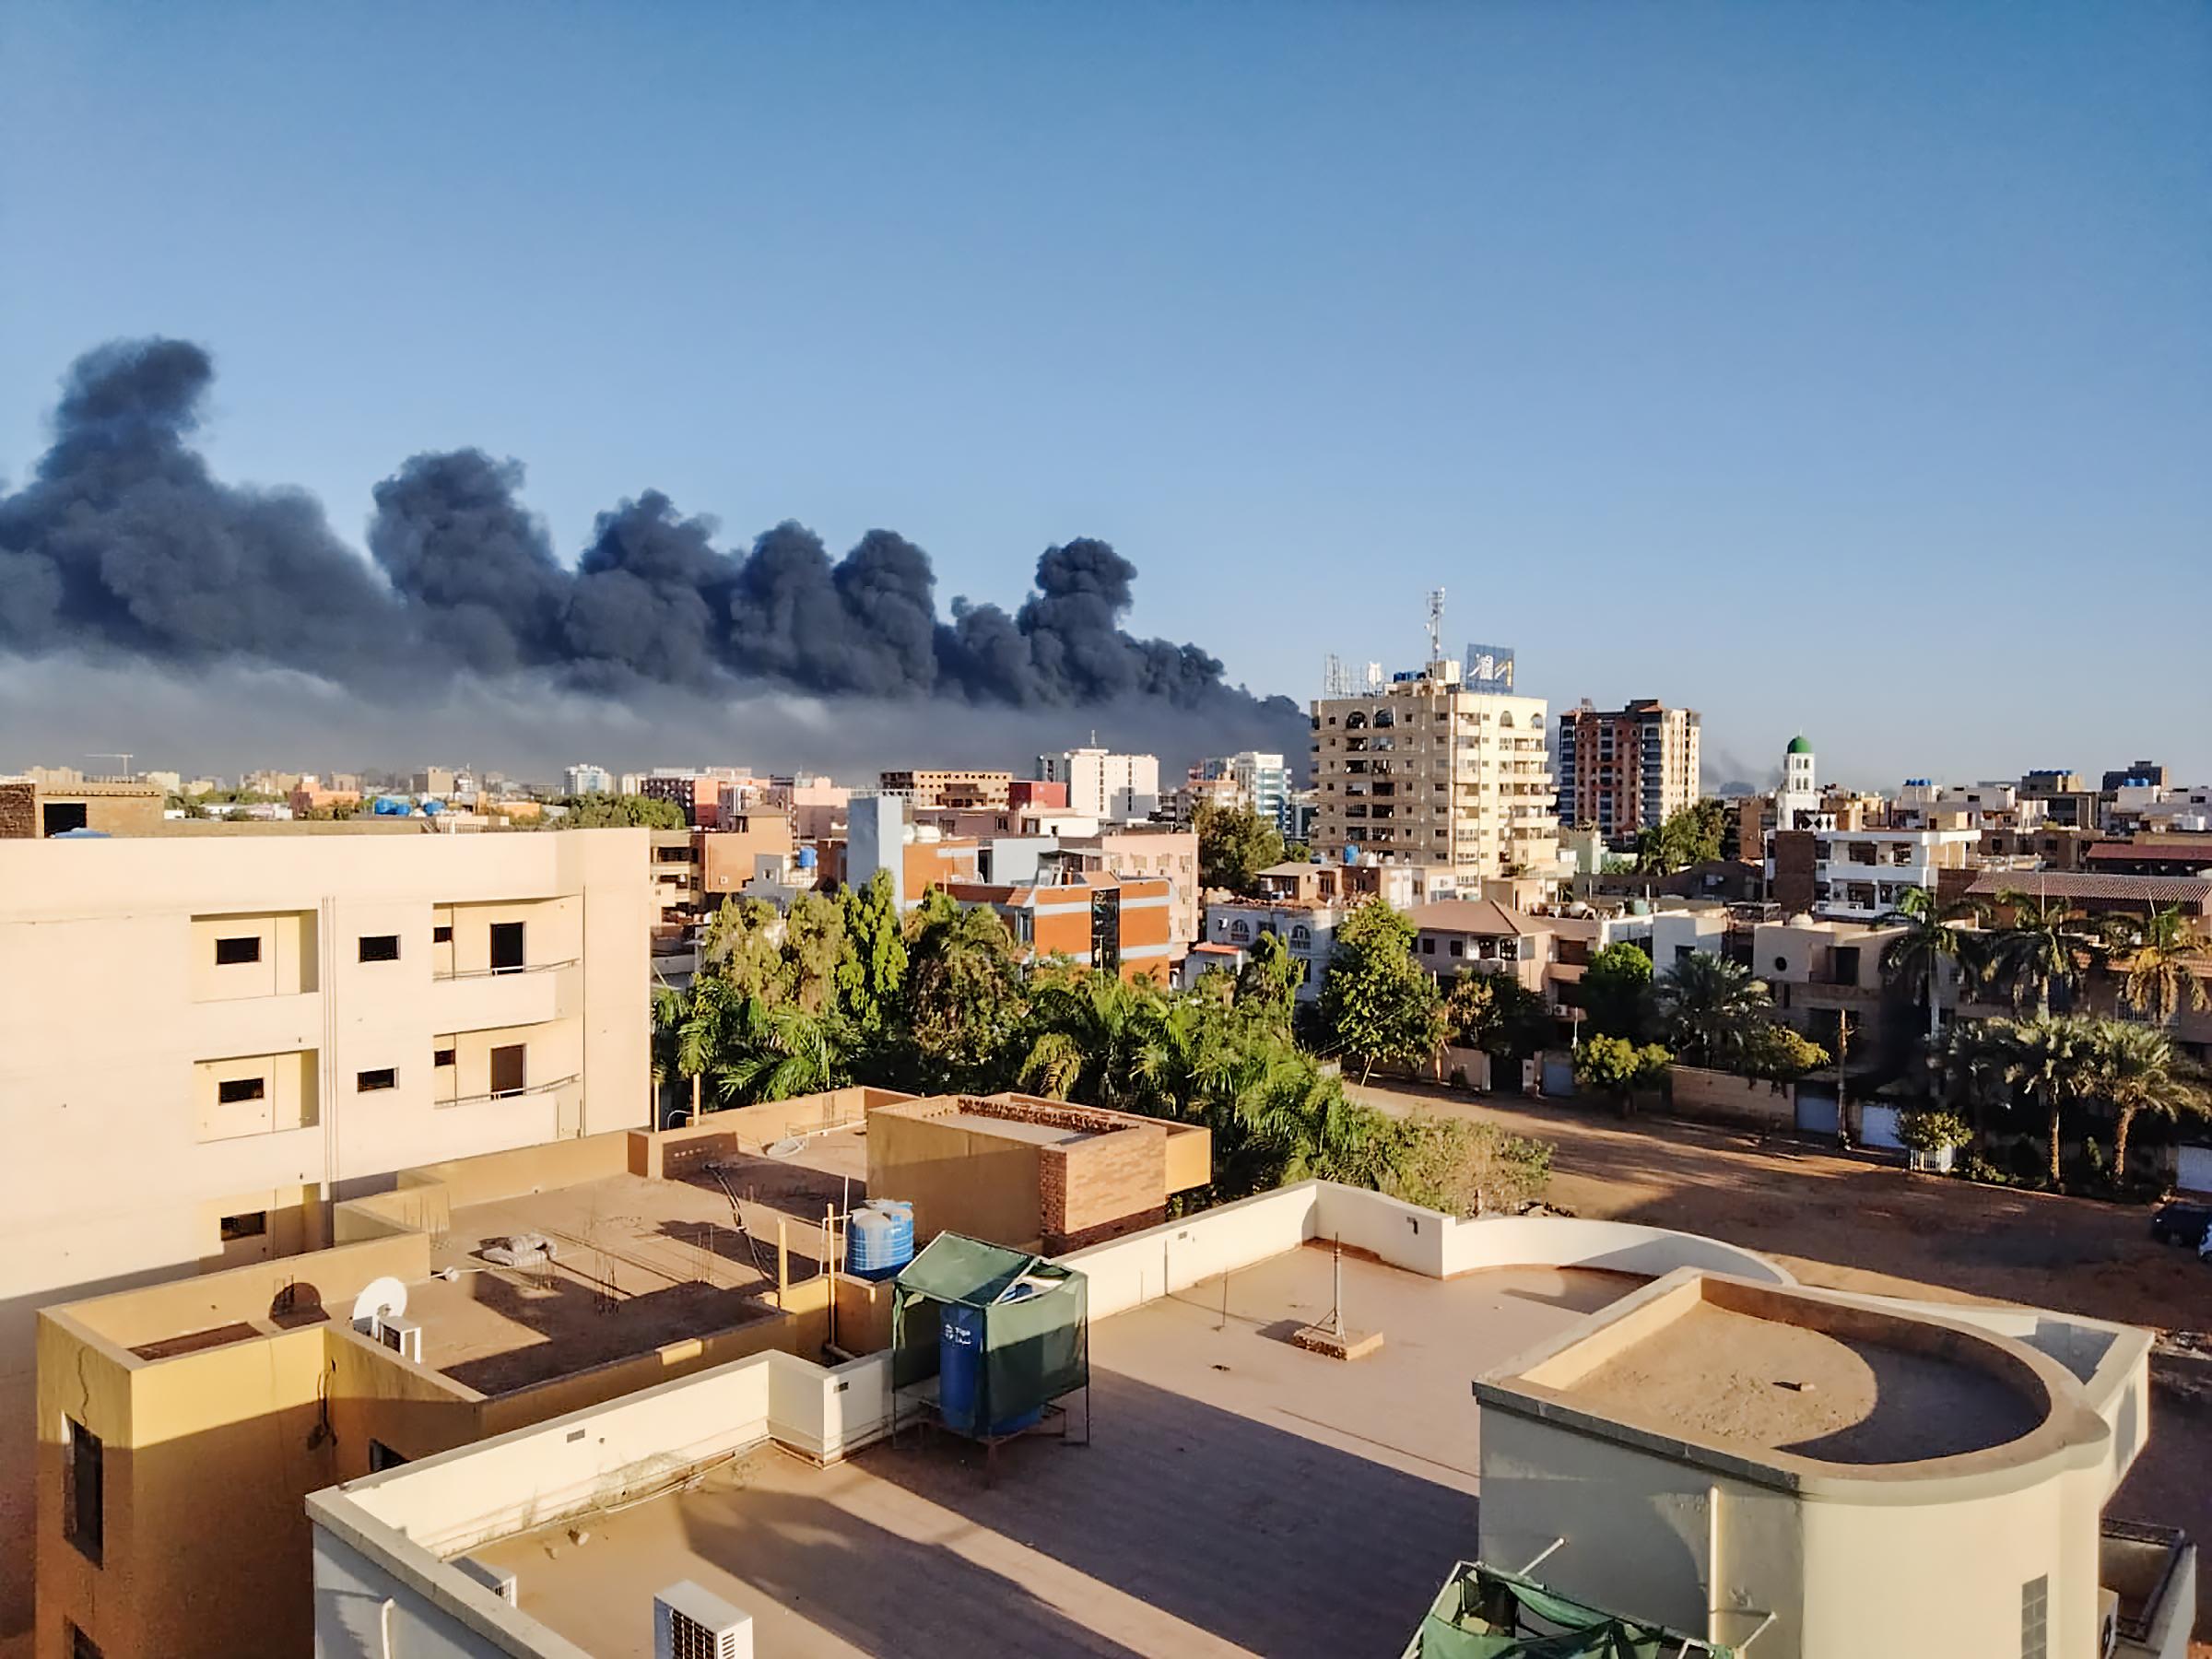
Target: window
{"points": [[509, 1070], [379, 947], [254, 1224], [506, 947], [81, 1646], [236, 1091], [1428, 947], [1684, 952], [58, 817], [83, 1513], [230, 953], [444, 1056], [443, 933], [2035, 1618], [1458, 947], [369, 1082]]}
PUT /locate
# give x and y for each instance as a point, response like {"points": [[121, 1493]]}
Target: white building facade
{"points": [[1116, 788]]}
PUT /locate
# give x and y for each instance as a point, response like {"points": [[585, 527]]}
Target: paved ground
{"points": [[1856, 1224]]}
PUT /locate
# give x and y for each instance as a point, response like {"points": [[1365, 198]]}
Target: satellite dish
{"points": [[789, 1146], [380, 1299]]}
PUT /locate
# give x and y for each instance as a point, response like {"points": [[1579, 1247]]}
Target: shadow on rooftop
{"points": [[1272, 1541]]}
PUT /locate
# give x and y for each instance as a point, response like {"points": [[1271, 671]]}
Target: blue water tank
{"points": [[960, 1368], [880, 1239], [808, 858], [1351, 854], [390, 806]]}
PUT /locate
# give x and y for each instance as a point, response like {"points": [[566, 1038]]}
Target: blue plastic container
{"points": [[960, 1369], [879, 1239]]}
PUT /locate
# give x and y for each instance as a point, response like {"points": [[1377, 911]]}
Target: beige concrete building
{"points": [[204, 1041], [1241, 1496], [32, 807], [1794, 1469], [956, 789], [1427, 770]]}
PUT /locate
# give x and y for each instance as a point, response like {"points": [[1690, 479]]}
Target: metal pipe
{"points": [[1543, 1556]]}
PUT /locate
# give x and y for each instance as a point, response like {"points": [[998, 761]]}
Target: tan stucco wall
{"points": [[114, 1014], [957, 1179]]}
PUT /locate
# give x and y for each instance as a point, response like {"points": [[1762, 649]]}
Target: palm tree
{"points": [[780, 1053], [2040, 948], [1968, 1061], [2134, 1070], [1927, 941], [1711, 1005], [1090, 1030], [2048, 1059], [2161, 968]]}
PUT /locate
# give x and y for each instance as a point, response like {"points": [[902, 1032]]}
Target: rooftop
{"points": [[1792, 1380], [2068, 884], [1485, 917], [1189, 1525]]}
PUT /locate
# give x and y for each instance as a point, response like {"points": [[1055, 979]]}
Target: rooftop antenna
{"points": [[1436, 624]]}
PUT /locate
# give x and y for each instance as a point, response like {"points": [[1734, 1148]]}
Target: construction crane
{"points": [[126, 774]]}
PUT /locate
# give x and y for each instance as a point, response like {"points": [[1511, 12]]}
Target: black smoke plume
{"points": [[123, 548]]}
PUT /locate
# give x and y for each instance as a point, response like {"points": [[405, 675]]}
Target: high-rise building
{"points": [[1625, 770], [1263, 779], [1428, 770], [1105, 785], [586, 778]]}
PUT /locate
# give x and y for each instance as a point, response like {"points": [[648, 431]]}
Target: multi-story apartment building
{"points": [[1114, 923], [1625, 770], [586, 778], [1863, 875], [1100, 784], [1428, 770], [204, 1041], [960, 789], [1263, 780]]}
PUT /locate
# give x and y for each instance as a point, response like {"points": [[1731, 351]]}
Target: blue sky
{"points": [[1843, 367]]}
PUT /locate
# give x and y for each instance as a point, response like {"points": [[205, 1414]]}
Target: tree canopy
{"points": [[1378, 1005], [1235, 844], [619, 812], [1616, 994]]}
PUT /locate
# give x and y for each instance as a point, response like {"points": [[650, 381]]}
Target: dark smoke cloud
{"points": [[123, 548]]}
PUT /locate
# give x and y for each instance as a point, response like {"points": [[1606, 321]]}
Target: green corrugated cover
{"points": [[1035, 1348]]}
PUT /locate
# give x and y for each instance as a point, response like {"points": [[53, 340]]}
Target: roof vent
{"points": [[691, 1623]]}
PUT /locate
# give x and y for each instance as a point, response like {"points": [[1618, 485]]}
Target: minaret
{"points": [[1800, 790]]}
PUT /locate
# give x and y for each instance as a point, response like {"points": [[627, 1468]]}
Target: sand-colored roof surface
{"points": [[1723, 1375]]}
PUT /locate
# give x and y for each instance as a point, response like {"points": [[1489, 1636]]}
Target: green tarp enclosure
{"points": [[1486, 1613], [1025, 1328]]}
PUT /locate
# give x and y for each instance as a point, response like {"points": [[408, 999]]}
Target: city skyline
{"points": [[1772, 364]]}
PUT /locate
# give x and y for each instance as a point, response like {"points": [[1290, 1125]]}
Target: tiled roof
{"points": [[1484, 917], [2067, 884]]}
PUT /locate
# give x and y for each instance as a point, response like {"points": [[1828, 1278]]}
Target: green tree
{"points": [[2161, 971], [871, 963], [2134, 1069], [1496, 1014], [1267, 983], [742, 945], [1378, 1004], [1235, 844], [619, 812], [1774, 1050], [1967, 1065], [1616, 994], [2049, 1060], [963, 1002], [813, 950], [1462, 1168], [1086, 1033], [1616, 1067], [1712, 1007], [779, 1054], [2041, 947], [1690, 836], [1927, 940]]}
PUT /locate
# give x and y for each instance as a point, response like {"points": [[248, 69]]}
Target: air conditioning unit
{"points": [[691, 1623], [403, 1336], [500, 1581]]}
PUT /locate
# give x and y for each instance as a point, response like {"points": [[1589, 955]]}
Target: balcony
{"points": [[532, 995]]}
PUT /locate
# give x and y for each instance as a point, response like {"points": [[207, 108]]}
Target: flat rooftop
{"points": [[638, 1264], [1237, 1494], [1043, 1135], [1760, 1370], [1724, 1375]]}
